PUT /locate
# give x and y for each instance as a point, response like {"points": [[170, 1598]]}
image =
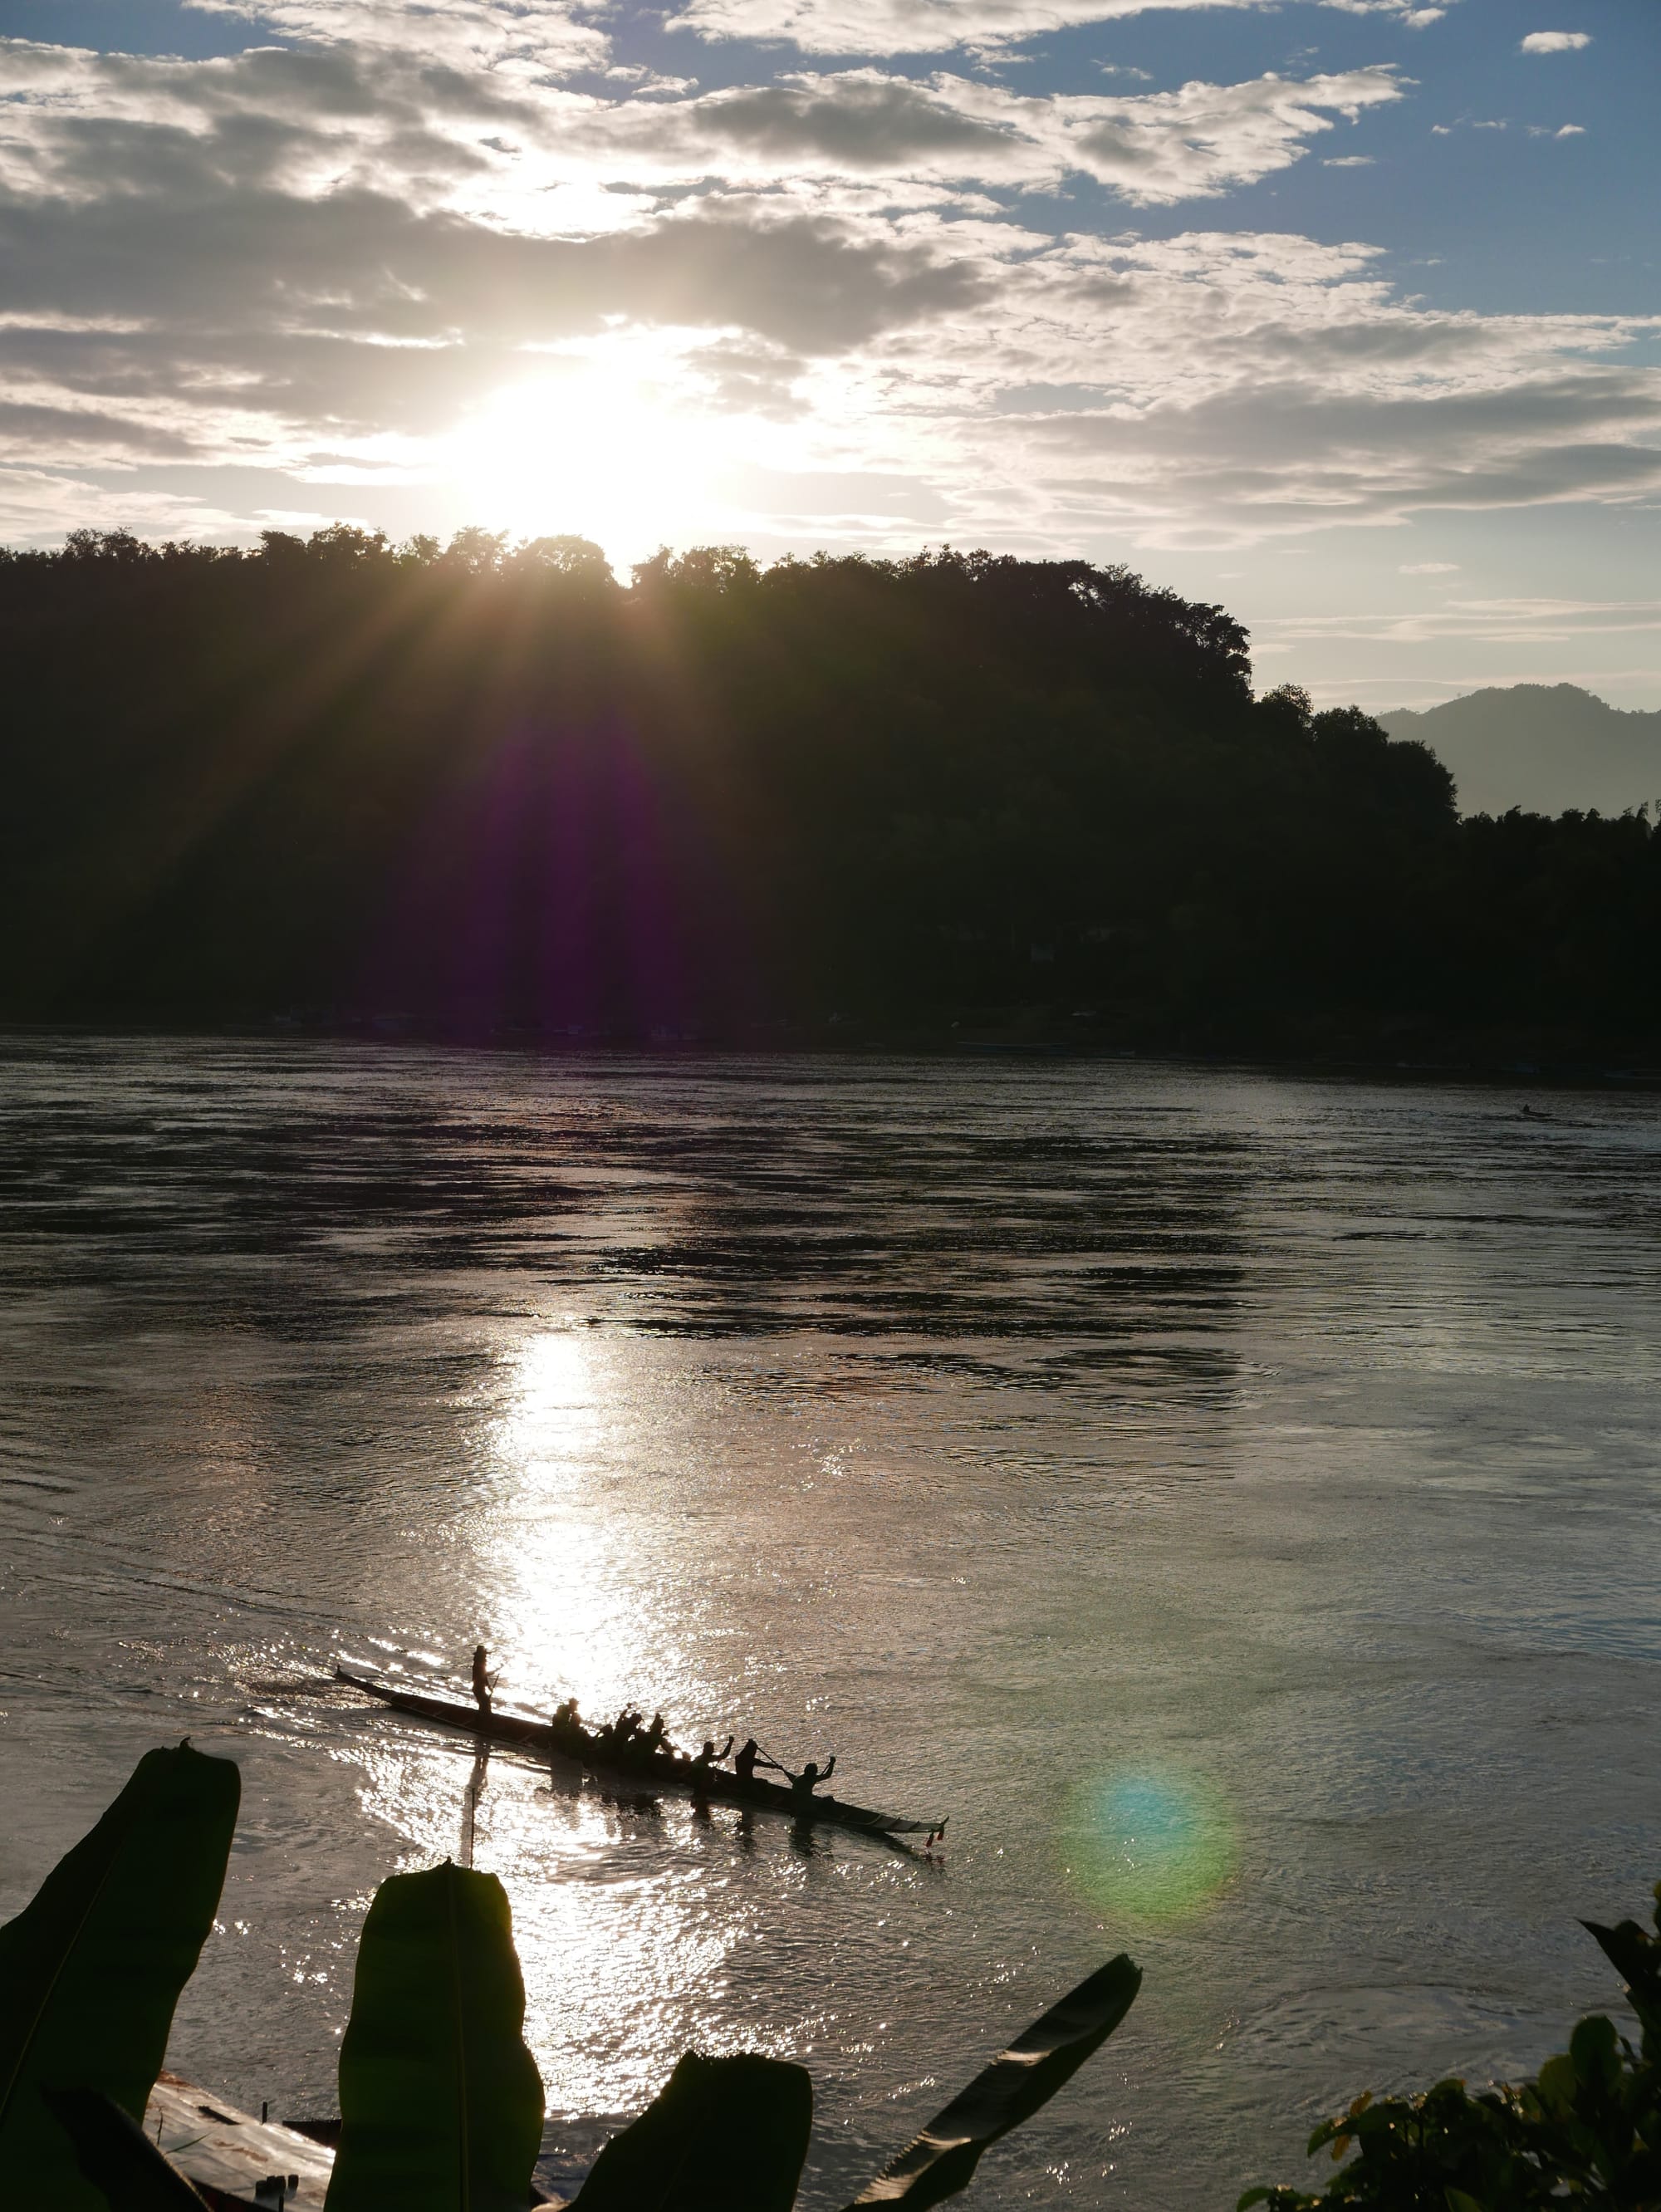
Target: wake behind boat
{"points": [[652, 1771]]}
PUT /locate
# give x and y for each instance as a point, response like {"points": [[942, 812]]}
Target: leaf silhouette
{"points": [[440, 2102], [91, 1969], [117, 2156], [944, 2158], [724, 2135]]}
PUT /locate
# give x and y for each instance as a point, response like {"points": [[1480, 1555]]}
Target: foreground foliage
{"points": [[440, 2102], [441, 2106], [1586, 2130], [91, 1971]]}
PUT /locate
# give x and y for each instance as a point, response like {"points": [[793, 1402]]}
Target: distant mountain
{"points": [[1544, 747]]}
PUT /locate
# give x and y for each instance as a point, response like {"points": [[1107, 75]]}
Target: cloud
{"points": [[1506, 621], [931, 27], [1555, 42], [1153, 148], [858, 121], [314, 264], [361, 267], [1428, 569], [335, 119], [528, 37], [1289, 454]]}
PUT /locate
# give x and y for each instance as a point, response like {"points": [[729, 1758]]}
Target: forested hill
{"points": [[493, 793], [1545, 746]]}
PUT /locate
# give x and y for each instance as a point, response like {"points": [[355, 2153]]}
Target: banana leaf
{"points": [[117, 2156], [943, 2159], [440, 2102], [724, 2135], [91, 1969], [1635, 1955]]}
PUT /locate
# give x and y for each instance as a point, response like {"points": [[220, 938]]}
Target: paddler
{"points": [[803, 1785], [655, 1737], [709, 1758], [481, 1679], [744, 1766], [621, 1735]]}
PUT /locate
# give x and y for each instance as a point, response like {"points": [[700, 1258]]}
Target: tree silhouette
{"points": [[483, 788]]}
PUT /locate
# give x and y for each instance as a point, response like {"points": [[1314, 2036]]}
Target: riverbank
{"points": [[1386, 1050]]}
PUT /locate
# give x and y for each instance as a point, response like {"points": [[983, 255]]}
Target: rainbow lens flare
{"points": [[1148, 1843]]}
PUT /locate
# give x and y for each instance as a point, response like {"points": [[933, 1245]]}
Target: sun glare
{"points": [[1153, 1843], [598, 449]]}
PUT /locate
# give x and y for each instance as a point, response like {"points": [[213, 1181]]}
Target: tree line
{"points": [[486, 790]]}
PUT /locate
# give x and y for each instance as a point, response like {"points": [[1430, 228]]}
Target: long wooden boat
{"points": [[236, 2163], [232, 2159], [655, 1772]]}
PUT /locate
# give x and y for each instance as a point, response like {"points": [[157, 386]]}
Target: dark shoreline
{"points": [[1513, 1059]]}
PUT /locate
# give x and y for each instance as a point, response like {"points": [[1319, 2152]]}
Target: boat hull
{"points": [[648, 1776]]}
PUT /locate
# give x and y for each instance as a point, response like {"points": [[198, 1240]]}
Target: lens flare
{"points": [[1148, 1843]]}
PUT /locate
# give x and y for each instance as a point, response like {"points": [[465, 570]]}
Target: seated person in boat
{"points": [[709, 1758], [620, 1735], [744, 1766], [803, 1785], [654, 1738], [566, 1723]]}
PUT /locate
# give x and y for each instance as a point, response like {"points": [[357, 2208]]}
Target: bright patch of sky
{"points": [[1343, 313]]}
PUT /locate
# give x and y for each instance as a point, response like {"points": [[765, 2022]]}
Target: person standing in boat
{"points": [[482, 1679]]}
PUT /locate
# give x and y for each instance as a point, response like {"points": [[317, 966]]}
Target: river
{"points": [[1233, 1498]]}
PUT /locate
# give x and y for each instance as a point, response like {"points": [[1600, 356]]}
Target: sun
{"points": [[598, 448]]}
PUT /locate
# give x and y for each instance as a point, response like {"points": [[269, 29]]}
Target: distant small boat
{"points": [[657, 1771]]}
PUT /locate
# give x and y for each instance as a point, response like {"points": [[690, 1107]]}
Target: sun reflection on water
{"points": [[547, 1550], [598, 1552], [553, 1420]]}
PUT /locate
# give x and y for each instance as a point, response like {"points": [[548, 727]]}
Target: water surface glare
{"points": [[1233, 1499]]}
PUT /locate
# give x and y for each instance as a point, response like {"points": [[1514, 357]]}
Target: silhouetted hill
{"points": [[491, 795], [1545, 747]]}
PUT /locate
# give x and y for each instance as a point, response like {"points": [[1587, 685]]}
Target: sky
{"points": [[1342, 313]]}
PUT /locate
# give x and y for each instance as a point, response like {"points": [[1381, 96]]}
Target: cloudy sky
{"points": [[1345, 312]]}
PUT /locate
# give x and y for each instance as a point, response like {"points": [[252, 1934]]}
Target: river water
{"points": [[1233, 1499]]}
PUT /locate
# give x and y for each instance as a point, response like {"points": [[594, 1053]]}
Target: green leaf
{"points": [[1595, 2048], [1631, 1950], [724, 2135], [1011, 2089], [1555, 2084], [117, 2156], [91, 1969], [1635, 1955], [440, 2103]]}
